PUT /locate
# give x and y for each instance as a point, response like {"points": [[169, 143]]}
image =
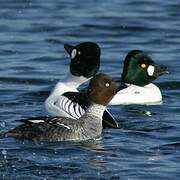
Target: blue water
{"points": [[32, 60]]}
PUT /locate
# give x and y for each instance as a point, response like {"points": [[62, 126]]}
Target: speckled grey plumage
{"points": [[89, 126]]}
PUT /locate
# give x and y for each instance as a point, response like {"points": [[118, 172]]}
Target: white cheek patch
{"points": [[150, 70], [73, 53]]}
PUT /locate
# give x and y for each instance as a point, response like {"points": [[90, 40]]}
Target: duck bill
{"points": [[68, 48], [160, 70]]}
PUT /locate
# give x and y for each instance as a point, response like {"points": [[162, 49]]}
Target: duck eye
{"points": [[107, 84], [143, 65]]}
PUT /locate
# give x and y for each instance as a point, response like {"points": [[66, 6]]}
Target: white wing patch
{"points": [[36, 120], [65, 126], [77, 110], [66, 105], [72, 109]]}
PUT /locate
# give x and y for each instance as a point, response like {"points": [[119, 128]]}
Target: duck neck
{"points": [[96, 110], [74, 81]]}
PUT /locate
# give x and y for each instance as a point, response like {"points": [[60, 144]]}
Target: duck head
{"points": [[140, 69], [85, 59], [102, 89]]}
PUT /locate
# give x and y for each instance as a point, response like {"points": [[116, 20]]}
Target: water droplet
{"points": [[4, 153], [148, 113], [3, 124]]}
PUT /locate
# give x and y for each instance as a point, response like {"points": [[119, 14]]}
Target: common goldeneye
{"points": [[138, 73], [85, 62], [89, 126]]}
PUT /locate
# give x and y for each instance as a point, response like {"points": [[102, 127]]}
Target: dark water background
{"points": [[32, 60]]}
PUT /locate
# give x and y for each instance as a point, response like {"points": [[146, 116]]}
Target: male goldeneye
{"points": [[85, 62], [89, 126], [138, 73]]}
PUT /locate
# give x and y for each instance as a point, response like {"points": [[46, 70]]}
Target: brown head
{"points": [[102, 89]]}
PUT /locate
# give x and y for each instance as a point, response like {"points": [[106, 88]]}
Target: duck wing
{"points": [[79, 104]]}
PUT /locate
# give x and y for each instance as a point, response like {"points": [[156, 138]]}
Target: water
{"points": [[32, 34]]}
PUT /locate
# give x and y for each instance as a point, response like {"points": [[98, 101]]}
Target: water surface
{"points": [[32, 34]]}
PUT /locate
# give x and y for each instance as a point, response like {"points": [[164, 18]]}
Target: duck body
{"points": [[139, 72], [59, 105], [143, 95], [84, 64], [53, 129], [89, 126], [65, 100]]}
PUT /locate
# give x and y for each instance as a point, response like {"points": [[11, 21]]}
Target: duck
{"points": [[139, 72], [65, 99], [100, 91]]}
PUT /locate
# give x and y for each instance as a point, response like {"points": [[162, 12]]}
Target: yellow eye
{"points": [[143, 66]]}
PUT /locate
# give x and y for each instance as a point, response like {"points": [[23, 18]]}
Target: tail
{"points": [[6, 134]]}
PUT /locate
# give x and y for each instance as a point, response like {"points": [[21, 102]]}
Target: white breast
{"points": [[149, 94]]}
